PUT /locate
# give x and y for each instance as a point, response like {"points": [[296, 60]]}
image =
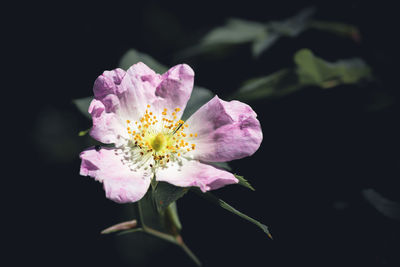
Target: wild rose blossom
{"points": [[140, 112]]}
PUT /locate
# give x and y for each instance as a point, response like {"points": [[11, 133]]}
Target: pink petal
{"points": [[226, 131], [122, 96], [107, 127], [175, 89], [194, 173], [108, 83], [121, 182]]}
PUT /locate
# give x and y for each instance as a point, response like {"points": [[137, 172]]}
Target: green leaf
{"points": [[235, 31], [165, 194], [313, 70], [199, 97], [244, 182], [295, 25], [263, 42], [213, 199], [221, 165], [290, 27], [82, 105], [277, 84], [133, 56], [341, 29]]}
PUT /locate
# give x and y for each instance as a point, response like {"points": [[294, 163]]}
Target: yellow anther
{"points": [[177, 109], [195, 135], [128, 121], [191, 135], [148, 106]]}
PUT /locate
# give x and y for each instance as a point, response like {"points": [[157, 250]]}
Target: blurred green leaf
{"points": [[295, 25], [342, 29], [166, 193], [213, 199], [310, 71], [83, 105], [263, 42], [199, 97], [235, 31], [277, 84], [261, 35], [385, 206], [221, 165], [133, 56], [244, 182], [315, 71], [290, 27]]}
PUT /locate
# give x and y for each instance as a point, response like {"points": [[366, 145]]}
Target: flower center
{"points": [[159, 138], [158, 142]]}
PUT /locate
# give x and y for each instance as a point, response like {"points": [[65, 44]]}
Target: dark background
{"points": [[321, 148]]}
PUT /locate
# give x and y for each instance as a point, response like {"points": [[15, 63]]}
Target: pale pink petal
{"points": [[122, 182], [107, 126], [108, 83], [121, 96], [226, 131], [137, 90], [175, 89], [194, 173]]}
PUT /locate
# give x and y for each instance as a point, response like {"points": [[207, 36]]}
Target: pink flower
{"points": [[139, 112]]}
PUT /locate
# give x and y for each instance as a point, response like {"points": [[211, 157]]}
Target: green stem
{"points": [[175, 239]]}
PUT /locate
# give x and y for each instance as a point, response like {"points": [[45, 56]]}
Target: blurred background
{"points": [[326, 175]]}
